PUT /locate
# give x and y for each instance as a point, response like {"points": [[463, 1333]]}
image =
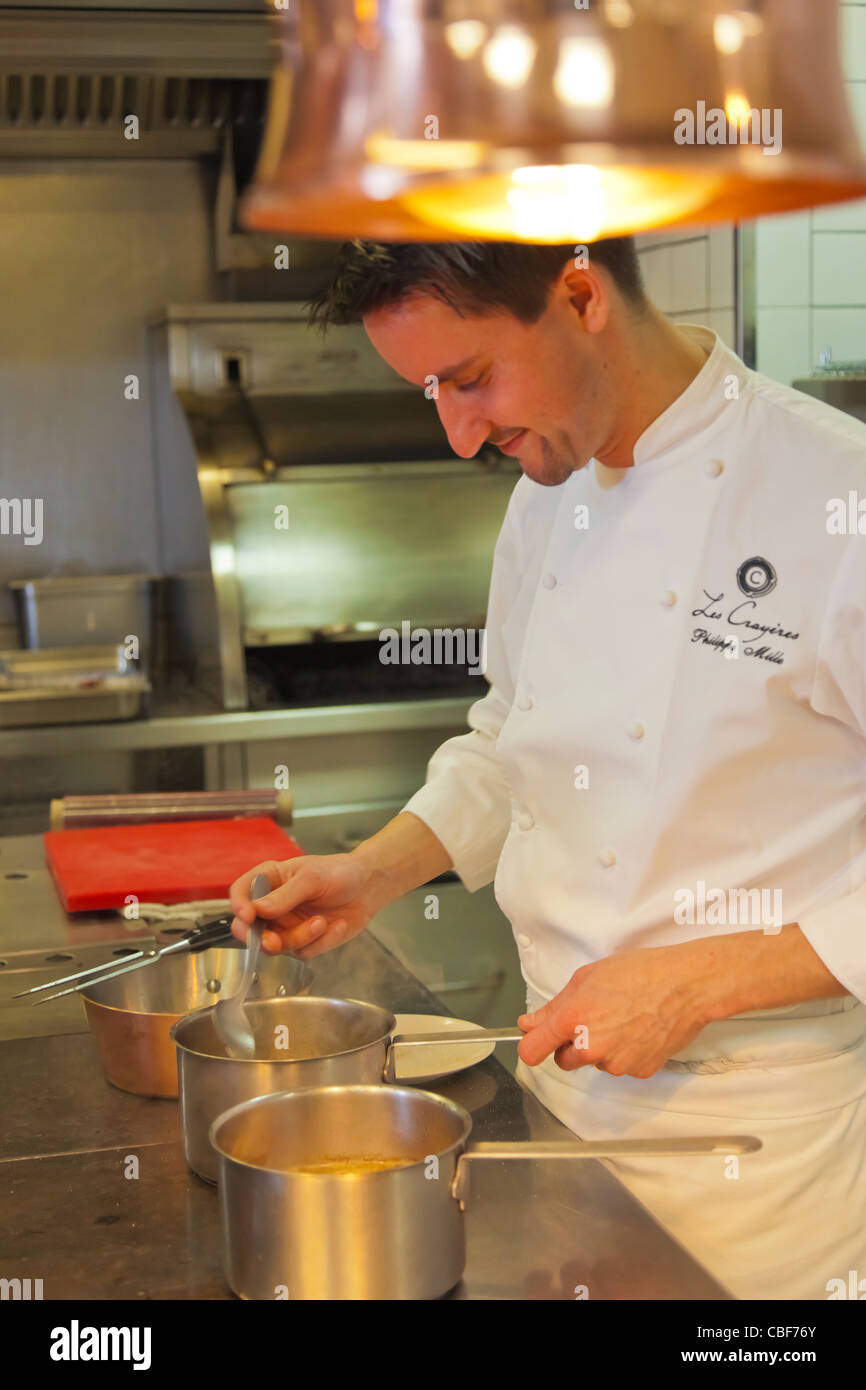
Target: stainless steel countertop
{"points": [[69, 1216]]}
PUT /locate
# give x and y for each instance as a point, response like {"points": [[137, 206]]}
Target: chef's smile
{"points": [[513, 444], [576, 378], [484, 373]]}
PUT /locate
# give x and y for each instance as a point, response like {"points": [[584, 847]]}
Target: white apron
{"points": [[794, 1220]]}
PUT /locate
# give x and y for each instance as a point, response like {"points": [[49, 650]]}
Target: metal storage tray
{"points": [[61, 611], [69, 685]]}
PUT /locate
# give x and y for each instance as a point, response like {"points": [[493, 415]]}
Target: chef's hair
{"points": [[473, 277]]}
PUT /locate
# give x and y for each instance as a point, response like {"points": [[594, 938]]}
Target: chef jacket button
{"points": [[525, 820], [715, 468], [549, 581], [669, 598], [524, 702], [607, 857], [636, 729], [524, 940]]}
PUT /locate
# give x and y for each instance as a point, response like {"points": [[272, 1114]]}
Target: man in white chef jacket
{"points": [[666, 779]]}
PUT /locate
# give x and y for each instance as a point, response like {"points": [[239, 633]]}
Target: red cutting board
{"points": [[163, 862]]}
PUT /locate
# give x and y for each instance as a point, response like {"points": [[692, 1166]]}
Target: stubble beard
{"points": [[555, 468]]}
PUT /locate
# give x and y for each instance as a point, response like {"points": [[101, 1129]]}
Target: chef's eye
{"points": [[469, 385]]}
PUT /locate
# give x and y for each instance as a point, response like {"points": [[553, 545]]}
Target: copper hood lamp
{"points": [[550, 120]]}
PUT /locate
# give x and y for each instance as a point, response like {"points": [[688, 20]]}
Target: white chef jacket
{"points": [[607, 651]]}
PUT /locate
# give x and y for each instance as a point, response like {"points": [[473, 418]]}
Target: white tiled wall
{"points": [[811, 267], [810, 270], [689, 275]]}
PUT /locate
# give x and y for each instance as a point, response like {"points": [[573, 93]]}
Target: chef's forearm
{"points": [[758, 970], [404, 854]]}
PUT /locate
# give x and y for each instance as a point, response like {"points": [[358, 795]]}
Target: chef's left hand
{"points": [[638, 1009]]}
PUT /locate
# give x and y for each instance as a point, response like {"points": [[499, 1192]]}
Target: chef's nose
{"points": [[467, 430]]}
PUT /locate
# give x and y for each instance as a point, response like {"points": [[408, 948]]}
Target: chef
{"points": [[666, 779]]}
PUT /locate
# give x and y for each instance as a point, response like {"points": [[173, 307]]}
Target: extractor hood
{"points": [[70, 77]]}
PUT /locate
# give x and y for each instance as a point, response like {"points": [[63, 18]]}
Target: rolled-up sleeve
{"points": [[836, 929], [466, 800]]}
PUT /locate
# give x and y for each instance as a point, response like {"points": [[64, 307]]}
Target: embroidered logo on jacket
{"points": [[756, 578]]}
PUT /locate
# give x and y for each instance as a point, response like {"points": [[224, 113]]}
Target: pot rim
{"points": [[173, 1013], [287, 1061], [442, 1101], [137, 1013], [307, 979]]}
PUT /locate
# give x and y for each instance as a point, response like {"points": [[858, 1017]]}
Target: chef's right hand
{"points": [[316, 902]]}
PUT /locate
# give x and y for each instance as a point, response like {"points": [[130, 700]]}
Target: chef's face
{"points": [[541, 390]]}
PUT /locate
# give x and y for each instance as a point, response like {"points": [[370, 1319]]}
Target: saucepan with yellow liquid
{"points": [[359, 1192]]}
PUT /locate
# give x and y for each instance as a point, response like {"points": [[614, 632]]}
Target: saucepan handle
{"points": [[464, 1035], [719, 1144]]}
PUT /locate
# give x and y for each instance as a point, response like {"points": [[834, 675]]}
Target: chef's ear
{"points": [[588, 290]]}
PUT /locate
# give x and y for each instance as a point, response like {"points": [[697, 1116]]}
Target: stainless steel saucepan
{"points": [[358, 1192], [300, 1042]]}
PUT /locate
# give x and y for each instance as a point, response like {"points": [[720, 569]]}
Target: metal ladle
{"points": [[230, 1016]]}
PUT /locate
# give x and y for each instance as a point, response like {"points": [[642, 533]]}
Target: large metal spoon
{"points": [[230, 1017]]}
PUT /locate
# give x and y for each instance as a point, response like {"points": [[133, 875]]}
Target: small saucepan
{"points": [[358, 1192], [300, 1043]]}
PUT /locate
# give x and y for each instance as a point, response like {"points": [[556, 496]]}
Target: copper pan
{"points": [[131, 1016]]}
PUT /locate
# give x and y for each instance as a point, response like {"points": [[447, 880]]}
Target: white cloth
{"points": [[608, 650]]}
